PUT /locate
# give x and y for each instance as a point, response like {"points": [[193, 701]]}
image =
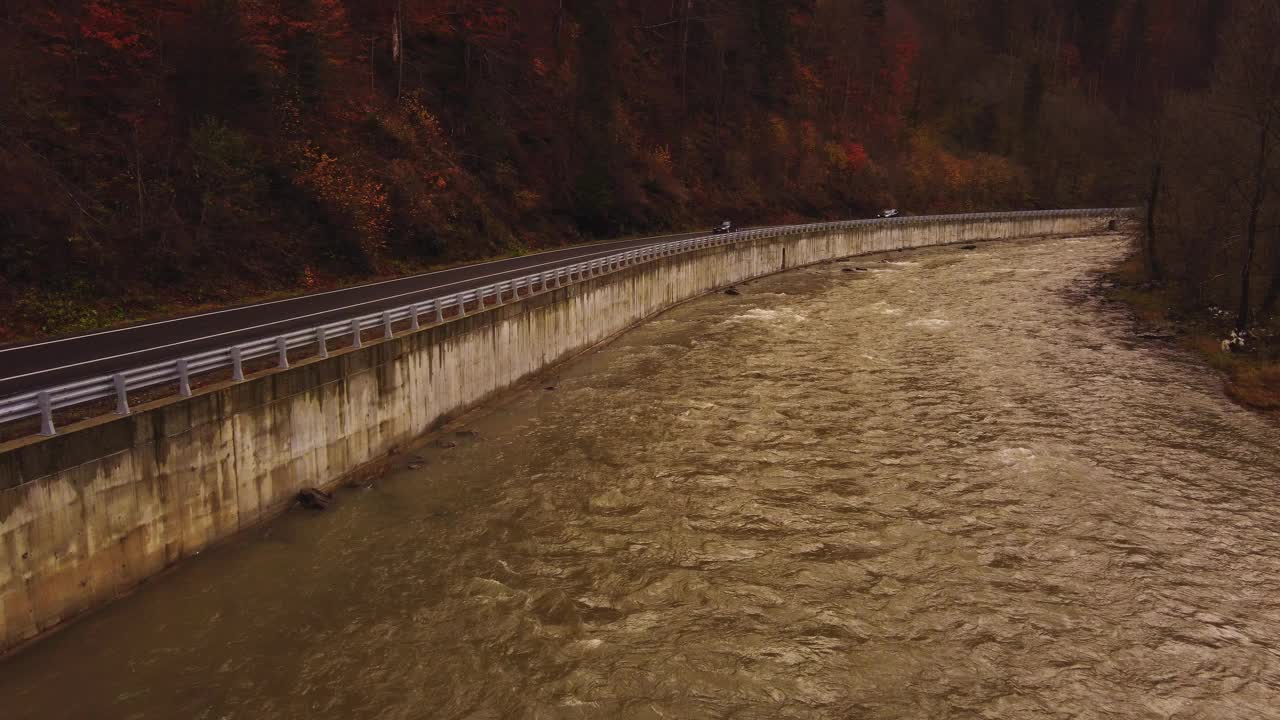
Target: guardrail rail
{"points": [[181, 370]]}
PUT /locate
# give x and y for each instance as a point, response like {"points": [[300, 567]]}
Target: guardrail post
{"points": [[46, 414], [439, 311], [413, 317], [355, 333], [122, 394], [184, 378], [322, 343], [386, 325], [237, 366], [282, 349]]}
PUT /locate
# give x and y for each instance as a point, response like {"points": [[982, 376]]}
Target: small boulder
{"points": [[732, 291], [314, 499], [445, 444], [555, 608], [549, 387], [968, 247]]}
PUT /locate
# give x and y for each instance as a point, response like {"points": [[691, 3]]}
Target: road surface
{"points": [[48, 363]]}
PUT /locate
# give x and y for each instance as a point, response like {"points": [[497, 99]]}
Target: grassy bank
{"points": [[1250, 378]]}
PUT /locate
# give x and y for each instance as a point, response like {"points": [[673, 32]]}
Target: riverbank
{"points": [[1252, 378]]}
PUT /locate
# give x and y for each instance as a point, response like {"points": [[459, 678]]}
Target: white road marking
{"points": [[577, 259], [313, 295]]}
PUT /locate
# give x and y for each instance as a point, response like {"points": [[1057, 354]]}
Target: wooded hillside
{"points": [[189, 151]]}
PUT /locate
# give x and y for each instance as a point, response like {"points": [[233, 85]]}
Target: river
{"points": [[948, 486]]}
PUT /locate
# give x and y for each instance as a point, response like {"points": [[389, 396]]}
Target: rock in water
{"points": [[732, 291], [555, 608], [968, 247], [314, 499]]}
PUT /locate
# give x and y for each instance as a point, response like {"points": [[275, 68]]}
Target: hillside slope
{"points": [[171, 153]]}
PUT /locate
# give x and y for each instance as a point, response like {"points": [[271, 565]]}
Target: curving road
{"points": [[43, 364]]}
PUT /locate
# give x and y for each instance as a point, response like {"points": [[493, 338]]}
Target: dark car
{"points": [[723, 228], [891, 212]]}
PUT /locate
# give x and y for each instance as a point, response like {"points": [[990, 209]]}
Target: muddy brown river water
{"points": [[949, 487]]}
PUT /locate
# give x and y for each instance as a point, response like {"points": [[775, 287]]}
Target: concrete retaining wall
{"points": [[91, 512]]}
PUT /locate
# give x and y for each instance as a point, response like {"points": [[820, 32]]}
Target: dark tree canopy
{"points": [[203, 150]]}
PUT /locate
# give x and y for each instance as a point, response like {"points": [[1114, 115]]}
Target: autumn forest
{"points": [[173, 153]]}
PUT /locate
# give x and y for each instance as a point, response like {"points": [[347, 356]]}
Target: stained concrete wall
{"points": [[89, 513]]}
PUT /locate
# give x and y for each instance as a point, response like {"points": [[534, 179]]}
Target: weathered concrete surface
{"points": [[88, 514]]}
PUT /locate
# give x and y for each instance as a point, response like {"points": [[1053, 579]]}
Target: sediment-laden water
{"points": [[948, 487]]}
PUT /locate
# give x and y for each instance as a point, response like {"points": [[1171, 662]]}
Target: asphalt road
{"points": [[47, 363]]}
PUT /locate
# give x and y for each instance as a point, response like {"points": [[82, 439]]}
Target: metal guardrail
{"points": [[181, 370]]}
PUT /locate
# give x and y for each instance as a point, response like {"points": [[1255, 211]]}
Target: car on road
{"points": [[723, 228], [887, 213]]}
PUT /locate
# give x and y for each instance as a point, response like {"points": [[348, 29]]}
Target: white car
{"points": [[723, 228], [888, 213]]}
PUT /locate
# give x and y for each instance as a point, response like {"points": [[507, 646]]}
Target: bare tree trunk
{"points": [[1273, 290], [137, 155], [1251, 236], [400, 48], [684, 57], [721, 86], [844, 101], [1153, 264], [558, 25]]}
